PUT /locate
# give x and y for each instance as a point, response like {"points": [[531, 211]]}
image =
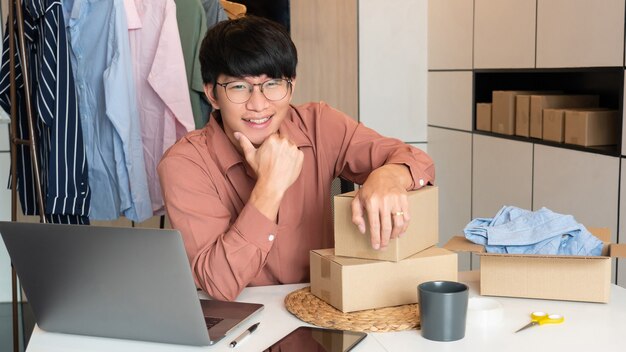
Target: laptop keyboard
{"points": [[212, 321]]}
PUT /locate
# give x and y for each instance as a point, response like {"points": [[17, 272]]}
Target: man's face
{"points": [[258, 117]]}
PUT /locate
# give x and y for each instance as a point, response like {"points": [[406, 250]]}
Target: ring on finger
{"points": [[398, 213]]}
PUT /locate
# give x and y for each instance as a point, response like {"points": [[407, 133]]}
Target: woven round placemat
{"points": [[304, 305]]}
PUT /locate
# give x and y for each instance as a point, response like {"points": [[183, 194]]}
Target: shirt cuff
{"points": [[256, 227], [419, 177]]}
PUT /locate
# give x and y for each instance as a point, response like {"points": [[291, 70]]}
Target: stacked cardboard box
{"points": [[354, 276]]}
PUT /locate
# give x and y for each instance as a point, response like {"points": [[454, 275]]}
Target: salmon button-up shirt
{"points": [[206, 185]]}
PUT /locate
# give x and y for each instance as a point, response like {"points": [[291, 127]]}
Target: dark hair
{"points": [[247, 46]]}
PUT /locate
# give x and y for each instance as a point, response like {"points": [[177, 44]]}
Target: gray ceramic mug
{"points": [[443, 310]]}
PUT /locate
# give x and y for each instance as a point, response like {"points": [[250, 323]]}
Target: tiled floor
{"points": [[26, 323]]}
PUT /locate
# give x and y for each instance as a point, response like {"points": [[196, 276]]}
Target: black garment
{"points": [[275, 10]]}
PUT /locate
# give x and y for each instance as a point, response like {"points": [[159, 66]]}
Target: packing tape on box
{"points": [[483, 311]]}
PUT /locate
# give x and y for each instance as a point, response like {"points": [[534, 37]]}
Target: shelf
{"points": [[610, 150], [606, 82]]}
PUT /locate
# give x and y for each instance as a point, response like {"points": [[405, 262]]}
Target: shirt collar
{"points": [[294, 127], [218, 142]]}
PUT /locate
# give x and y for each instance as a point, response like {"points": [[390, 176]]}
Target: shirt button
{"points": [[271, 237], [421, 182]]}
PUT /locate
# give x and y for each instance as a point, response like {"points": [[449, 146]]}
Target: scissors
{"points": [[540, 318]]}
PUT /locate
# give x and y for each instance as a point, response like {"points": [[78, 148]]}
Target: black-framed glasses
{"points": [[240, 92]]}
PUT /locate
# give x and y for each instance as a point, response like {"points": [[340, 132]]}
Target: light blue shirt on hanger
{"points": [[101, 57]]}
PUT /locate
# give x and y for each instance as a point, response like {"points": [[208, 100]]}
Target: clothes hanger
{"points": [[233, 10]]}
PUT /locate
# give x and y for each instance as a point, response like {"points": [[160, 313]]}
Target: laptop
{"points": [[127, 283]]}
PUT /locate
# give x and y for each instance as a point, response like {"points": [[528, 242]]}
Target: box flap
{"points": [[618, 250], [603, 233], [324, 252], [329, 254], [462, 244]]}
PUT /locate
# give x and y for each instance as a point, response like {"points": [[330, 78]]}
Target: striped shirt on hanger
{"points": [[59, 136]]}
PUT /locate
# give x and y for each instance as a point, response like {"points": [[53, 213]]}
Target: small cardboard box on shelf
{"points": [[504, 109], [554, 125], [483, 116], [522, 115], [591, 127]]}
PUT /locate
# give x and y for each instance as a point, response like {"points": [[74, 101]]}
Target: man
{"points": [[250, 192]]}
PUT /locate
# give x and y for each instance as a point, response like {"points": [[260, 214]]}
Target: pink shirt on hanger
{"points": [[159, 73]]}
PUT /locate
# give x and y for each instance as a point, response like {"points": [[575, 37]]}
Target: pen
{"points": [[243, 335]]}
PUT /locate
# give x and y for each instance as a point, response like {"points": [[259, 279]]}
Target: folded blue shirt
{"points": [[519, 231]]}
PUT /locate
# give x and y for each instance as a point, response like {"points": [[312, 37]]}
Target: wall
{"points": [[347, 59]]}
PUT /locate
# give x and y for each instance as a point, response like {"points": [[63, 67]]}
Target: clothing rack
{"points": [[16, 15]]}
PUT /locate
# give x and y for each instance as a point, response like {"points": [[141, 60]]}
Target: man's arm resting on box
{"points": [[387, 168]]}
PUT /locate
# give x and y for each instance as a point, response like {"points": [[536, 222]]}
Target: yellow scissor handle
{"points": [[545, 318]]}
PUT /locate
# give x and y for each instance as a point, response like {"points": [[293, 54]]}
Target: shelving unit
{"points": [[574, 46], [606, 82]]}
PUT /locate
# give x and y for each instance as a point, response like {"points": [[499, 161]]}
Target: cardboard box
{"points": [[559, 277], [522, 115], [503, 110], [351, 284], [554, 125], [591, 127], [423, 230], [540, 102], [483, 116]]}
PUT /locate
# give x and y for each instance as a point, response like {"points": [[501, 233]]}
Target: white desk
{"points": [[589, 326]]}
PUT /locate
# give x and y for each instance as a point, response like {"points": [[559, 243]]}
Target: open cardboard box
{"points": [[560, 277]]}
